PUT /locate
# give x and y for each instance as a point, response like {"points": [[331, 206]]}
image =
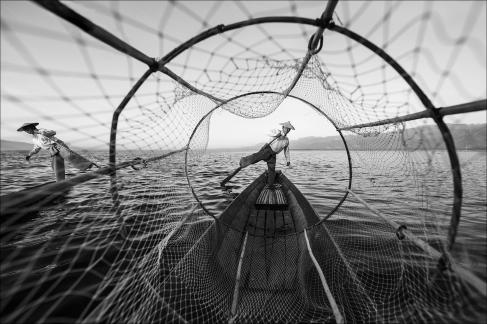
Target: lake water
{"points": [[412, 188]]}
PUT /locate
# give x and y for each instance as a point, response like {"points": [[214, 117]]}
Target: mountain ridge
{"points": [[466, 137]]}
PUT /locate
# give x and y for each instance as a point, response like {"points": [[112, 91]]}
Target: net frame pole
{"points": [[112, 157], [409, 117], [113, 132], [185, 83], [324, 20], [329, 295], [224, 28], [435, 115], [473, 106], [94, 30], [236, 290], [477, 283]]}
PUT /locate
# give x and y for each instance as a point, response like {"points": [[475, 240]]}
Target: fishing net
{"points": [[141, 240]]}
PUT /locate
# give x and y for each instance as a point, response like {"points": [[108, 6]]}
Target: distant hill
{"points": [[15, 146], [466, 137], [318, 143], [469, 137]]}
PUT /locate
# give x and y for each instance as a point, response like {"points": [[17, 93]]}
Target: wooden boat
{"points": [[245, 213], [255, 257], [272, 265]]}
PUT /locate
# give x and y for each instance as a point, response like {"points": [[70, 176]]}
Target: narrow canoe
{"points": [[243, 215], [257, 260]]}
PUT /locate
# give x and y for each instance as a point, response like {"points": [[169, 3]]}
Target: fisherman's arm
{"points": [[35, 150], [58, 141], [287, 155], [50, 134], [47, 133]]}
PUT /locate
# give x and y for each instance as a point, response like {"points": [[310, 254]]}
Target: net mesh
{"points": [[149, 246]]}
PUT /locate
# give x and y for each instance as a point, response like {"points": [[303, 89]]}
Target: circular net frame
{"points": [[142, 247]]}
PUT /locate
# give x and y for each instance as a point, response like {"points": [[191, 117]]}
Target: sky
{"points": [[240, 131], [54, 74]]}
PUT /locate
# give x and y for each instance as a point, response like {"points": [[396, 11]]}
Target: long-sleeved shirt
{"points": [[43, 139], [279, 144]]}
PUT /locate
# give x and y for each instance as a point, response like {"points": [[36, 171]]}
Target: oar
{"points": [[230, 176]]}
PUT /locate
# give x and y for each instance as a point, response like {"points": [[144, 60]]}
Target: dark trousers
{"points": [[264, 154]]}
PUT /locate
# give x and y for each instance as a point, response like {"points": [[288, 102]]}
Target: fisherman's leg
{"points": [[58, 167], [262, 154], [245, 162], [271, 170]]}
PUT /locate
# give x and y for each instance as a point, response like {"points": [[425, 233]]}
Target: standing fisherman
{"points": [[45, 139], [268, 154]]}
